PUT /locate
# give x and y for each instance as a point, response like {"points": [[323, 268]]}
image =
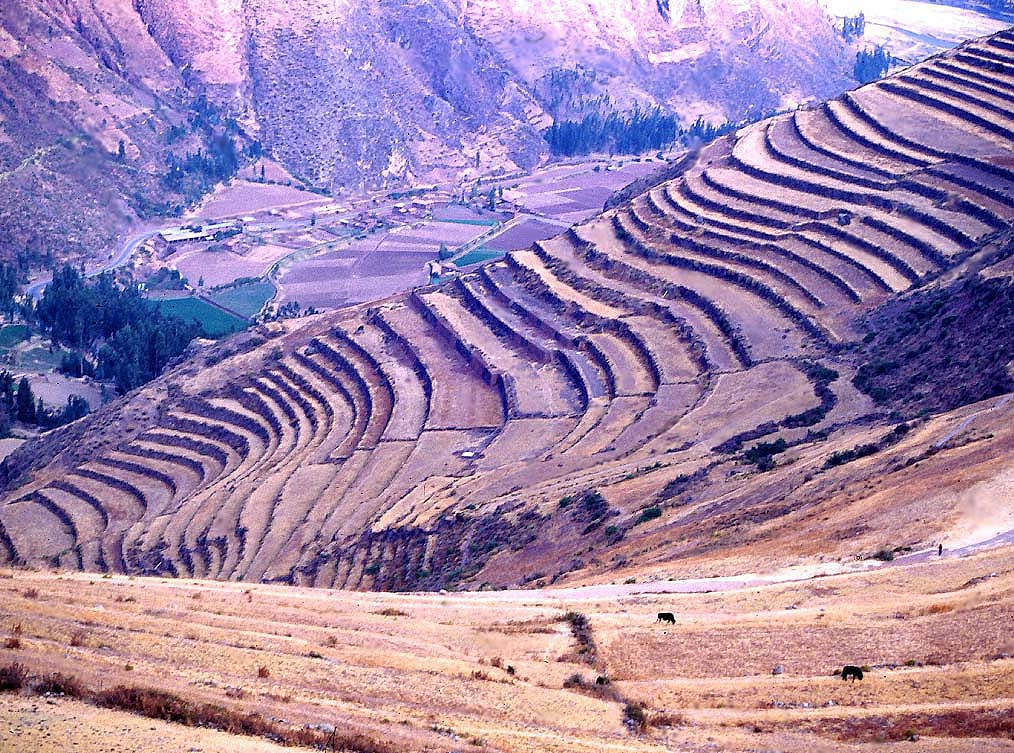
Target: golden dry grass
{"points": [[430, 671]]}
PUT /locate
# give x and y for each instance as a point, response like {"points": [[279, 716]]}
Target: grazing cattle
{"points": [[666, 617], [856, 673]]}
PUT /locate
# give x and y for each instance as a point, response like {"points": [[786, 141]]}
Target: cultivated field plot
{"points": [[214, 321], [246, 299], [380, 265], [222, 267], [241, 197], [751, 668], [523, 234], [575, 191]]}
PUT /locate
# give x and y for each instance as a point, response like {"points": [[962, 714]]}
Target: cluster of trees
{"points": [[853, 27], [129, 338], [193, 174], [634, 132], [871, 64], [19, 403]]}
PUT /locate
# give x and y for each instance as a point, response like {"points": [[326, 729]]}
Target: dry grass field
{"points": [[487, 671]]}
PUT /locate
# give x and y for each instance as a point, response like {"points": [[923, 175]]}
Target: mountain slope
{"points": [[668, 378], [347, 95]]}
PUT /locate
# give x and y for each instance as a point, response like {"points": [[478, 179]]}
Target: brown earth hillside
{"points": [[670, 380]]}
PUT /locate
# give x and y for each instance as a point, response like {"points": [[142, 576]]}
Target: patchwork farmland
{"points": [[579, 407]]}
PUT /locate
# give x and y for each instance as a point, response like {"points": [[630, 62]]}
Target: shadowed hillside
{"points": [[670, 379]]}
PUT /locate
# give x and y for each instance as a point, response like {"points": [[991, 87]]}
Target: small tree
{"points": [[25, 401]]}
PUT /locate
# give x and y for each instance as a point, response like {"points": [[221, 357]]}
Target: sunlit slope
{"points": [[456, 434]]}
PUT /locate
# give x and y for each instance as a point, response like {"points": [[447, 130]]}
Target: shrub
{"points": [[648, 513], [78, 639], [633, 717], [263, 672], [30, 593], [12, 677], [665, 719], [885, 555], [13, 643], [391, 612], [59, 684], [576, 680]]}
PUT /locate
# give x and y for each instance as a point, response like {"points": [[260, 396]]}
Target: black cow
{"points": [[856, 673], [666, 617]]}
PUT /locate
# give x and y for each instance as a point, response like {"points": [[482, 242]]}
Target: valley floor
{"points": [[430, 671]]}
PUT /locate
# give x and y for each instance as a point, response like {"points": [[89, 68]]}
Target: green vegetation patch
{"points": [[477, 255], [41, 359], [215, 322], [464, 221], [12, 334], [246, 299]]}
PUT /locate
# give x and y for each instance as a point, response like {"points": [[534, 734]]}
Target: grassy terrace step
{"points": [[223, 412], [966, 81], [699, 256], [403, 350], [284, 398], [997, 64], [362, 389], [42, 500], [345, 434], [783, 143], [819, 133], [935, 153], [259, 405], [924, 233], [549, 390], [970, 74], [981, 116], [718, 249], [588, 367], [348, 356], [973, 179], [596, 372], [978, 107], [850, 123], [409, 401], [728, 277], [872, 247], [475, 360], [543, 347], [790, 252], [161, 484], [690, 314], [185, 462], [845, 266], [217, 454], [755, 160], [459, 398], [115, 487]]}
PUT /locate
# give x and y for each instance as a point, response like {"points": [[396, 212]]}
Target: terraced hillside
{"points": [[671, 377]]}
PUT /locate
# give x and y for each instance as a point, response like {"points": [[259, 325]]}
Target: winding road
{"points": [[36, 288]]}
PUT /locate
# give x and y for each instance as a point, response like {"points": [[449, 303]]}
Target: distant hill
{"points": [[350, 95], [760, 356]]}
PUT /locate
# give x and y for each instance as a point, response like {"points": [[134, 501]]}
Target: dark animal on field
{"points": [[856, 673], [666, 617]]}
